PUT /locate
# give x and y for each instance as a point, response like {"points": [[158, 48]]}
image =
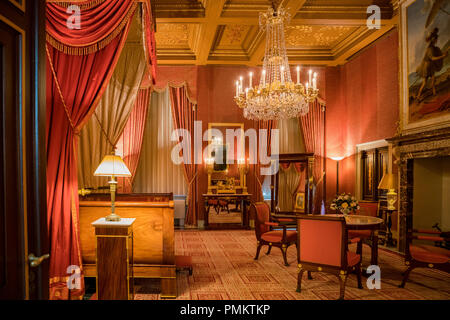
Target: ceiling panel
{"points": [[324, 32]]}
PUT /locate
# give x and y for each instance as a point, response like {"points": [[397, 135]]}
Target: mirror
{"points": [[219, 156]]}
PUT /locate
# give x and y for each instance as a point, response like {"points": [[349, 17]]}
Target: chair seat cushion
{"points": [[363, 234], [277, 236], [429, 254], [352, 258]]}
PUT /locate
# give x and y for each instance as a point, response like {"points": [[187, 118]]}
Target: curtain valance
{"points": [[99, 25]]}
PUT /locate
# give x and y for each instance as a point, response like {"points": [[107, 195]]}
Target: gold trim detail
{"points": [[18, 5], [85, 50]]}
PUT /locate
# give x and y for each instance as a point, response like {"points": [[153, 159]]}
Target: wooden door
{"points": [[22, 144]]}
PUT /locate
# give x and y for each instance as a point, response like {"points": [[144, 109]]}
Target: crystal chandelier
{"points": [[276, 96]]}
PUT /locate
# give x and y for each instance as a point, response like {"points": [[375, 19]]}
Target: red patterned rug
{"points": [[224, 269]]}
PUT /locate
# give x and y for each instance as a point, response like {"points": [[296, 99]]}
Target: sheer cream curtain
{"points": [[106, 124], [290, 137], [156, 172], [290, 141], [290, 181]]}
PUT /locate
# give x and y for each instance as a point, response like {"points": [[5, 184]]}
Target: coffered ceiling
{"points": [[322, 32]]}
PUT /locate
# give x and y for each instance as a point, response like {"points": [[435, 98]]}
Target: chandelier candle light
{"points": [[276, 96]]}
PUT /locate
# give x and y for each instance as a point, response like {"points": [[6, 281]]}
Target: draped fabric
{"points": [[130, 142], [290, 137], [75, 84], [183, 112], [101, 133], [313, 128], [98, 25], [156, 172], [267, 125], [291, 178]]}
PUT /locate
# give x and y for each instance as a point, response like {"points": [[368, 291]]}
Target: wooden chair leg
{"points": [[359, 248], [358, 275], [299, 280], [342, 281], [283, 250], [268, 250], [406, 276], [258, 249], [309, 275]]}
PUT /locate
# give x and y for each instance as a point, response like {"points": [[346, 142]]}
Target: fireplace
{"points": [[420, 150]]}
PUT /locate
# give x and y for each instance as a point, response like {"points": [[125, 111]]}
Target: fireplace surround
{"points": [[406, 148]]}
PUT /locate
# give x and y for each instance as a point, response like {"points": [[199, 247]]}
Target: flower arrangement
{"points": [[345, 203]]}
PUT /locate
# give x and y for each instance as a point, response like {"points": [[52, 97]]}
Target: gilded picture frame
{"points": [[299, 205], [427, 108], [225, 145]]}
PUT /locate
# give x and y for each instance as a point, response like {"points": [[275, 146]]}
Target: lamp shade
{"points": [[389, 181], [112, 165]]}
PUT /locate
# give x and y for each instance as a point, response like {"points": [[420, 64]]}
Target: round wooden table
{"points": [[356, 222]]}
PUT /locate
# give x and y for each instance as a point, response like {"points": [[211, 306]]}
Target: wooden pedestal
{"points": [[114, 259]]}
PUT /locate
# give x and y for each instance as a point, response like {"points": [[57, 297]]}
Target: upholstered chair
{"points": [[323, 247], [265, 235], [424, 255], [367, 208]]}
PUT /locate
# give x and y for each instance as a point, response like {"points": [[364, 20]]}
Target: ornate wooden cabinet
{"points": [[374, 165]]}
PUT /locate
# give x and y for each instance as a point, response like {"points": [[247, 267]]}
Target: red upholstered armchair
{"points": [[265, 234], [323, 247], [367, 208], [423, 255]]}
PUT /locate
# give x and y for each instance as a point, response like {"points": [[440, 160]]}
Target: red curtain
{"points": [[77, 75], [313, 127], [133, 134], [183, 112], [268, 125]]}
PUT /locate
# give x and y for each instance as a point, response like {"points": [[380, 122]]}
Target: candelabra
{"points": [[243, 170], [209, 163]]}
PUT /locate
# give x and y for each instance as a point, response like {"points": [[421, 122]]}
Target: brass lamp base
{"points": [[391, 199], [112, 217]]}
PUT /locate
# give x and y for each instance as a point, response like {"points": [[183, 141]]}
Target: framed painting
{"points": [[300, 202], [425, 65]]}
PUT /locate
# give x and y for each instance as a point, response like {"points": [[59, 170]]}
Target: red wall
{"points": [[362, 106], [361, 97]]}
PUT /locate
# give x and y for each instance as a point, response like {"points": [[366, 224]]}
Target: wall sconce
{"points": [[243, 170], [337, 159], [209, 164]]}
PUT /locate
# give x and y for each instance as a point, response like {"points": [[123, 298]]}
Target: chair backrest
{"points": [[368, 208], [322, 240], [261, 212]]}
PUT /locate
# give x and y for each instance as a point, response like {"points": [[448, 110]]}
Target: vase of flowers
{"points": [[345, 203]]}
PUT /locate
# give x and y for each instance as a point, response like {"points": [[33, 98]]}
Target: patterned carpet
{"points": [[224, 269]]}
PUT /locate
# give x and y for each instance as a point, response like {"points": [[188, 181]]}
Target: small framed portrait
{"points": [[300, 202]]}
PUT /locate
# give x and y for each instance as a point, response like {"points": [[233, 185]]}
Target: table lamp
{"points": [[112, 166], [389, 182]]}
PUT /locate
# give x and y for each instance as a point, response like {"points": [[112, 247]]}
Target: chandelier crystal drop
{"points": [[276, 96]]}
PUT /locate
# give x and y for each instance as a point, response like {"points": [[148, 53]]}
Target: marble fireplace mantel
{"points": [[406, 148]]}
